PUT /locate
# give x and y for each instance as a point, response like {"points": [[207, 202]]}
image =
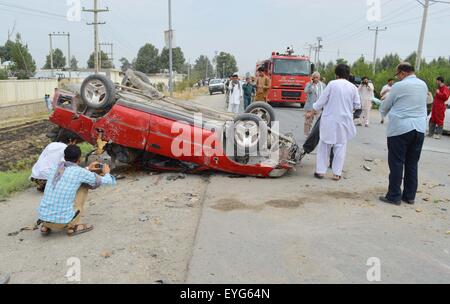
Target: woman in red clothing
{"points": [[439, 108]]}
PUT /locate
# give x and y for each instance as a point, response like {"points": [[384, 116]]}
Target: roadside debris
{"points": [[397, 216], [106, 254], [419, 210], [4, 278], [143, 218], [367, 168], [176, 177], [448, 232]]}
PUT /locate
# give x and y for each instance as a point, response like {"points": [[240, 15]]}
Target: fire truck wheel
{"points": [[262, 110], [98, 92]]}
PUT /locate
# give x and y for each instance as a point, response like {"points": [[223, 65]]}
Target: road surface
{"points": [[219, 229]]}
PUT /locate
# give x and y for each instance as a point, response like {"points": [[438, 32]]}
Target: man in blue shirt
{"points": [[249, 91], [406, 108], [66, 192]]}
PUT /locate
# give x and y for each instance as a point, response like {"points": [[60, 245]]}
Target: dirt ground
{"points": [[23, 142]]}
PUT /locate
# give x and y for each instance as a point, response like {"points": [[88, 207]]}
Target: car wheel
{"points": [[250, 133], [262, 110], [98, 92]]}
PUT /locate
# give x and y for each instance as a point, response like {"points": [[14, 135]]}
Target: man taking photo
{"points": [[66, 193]]}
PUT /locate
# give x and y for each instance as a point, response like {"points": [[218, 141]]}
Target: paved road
{"points": [[300, 230], [246, 230]]}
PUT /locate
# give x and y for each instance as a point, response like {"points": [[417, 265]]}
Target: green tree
{"points": [[3, 74], [178, 59], [105, 62], [389, 62], [202, 68], [125, 64], [226, 64], [362, 68], [74, 63], [59, 61], [23, 66], [147, 60]]}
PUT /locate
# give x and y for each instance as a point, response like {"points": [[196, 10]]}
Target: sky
{"points": [[250, 30]]}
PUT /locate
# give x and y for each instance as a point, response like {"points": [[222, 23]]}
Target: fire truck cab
{"points": [[289, 75]]}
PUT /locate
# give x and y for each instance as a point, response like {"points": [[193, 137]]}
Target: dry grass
{"points": [[189, 94]]}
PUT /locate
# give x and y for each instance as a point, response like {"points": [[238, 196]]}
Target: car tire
{"points": [[255, 121], [104, 85], [262, 110]]}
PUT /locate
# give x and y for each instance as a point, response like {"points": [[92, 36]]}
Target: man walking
{"points": [[249, 90], [366, 92], [338, 102], [314, 90], [262, 86], [406, 106], [439, 108]]}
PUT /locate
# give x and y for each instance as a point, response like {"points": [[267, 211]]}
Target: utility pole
{"points": [[51, 55], [319, 47], [63, 34], [426, 5], [170, 51], [376, 30], [95, 10]]}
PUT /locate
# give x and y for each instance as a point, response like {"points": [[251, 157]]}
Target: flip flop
{"points": [[79, 229], [337, 178]]}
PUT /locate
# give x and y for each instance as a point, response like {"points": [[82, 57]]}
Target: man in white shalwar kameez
{"points": [[337, 103], [236, 95]]}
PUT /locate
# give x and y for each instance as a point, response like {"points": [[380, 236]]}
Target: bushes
{"points": [[13, 181]]}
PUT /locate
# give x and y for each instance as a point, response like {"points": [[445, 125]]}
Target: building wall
{"points": [[16, 92]]}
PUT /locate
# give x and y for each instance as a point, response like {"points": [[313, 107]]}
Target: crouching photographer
{"points": [[66, 193]]}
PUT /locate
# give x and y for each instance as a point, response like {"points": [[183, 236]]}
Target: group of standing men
{"points": [[254, 90], [404, 103]]}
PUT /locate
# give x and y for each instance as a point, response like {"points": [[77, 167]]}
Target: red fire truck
{"points": [[289, 74]]}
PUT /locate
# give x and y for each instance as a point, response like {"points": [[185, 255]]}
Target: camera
{"points": [[100, 166]]}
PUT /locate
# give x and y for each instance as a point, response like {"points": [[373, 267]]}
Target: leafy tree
{"points": [[125, 64], [362, 68], [147, 60], [3, 74], [178, 59], [389, 62], [73, 63], [23, 66], [202, 68], [226, 64], [105, 62], [59, 61]]}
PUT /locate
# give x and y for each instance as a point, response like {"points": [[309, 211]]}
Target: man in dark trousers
{"points": [[406, 107]]}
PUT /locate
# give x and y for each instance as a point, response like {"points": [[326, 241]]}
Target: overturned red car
{"points": [[135, 124]]}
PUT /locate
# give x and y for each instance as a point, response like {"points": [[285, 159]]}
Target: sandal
{"points": [[337, 178], [45, 231], [79, 229], [319, 176]]}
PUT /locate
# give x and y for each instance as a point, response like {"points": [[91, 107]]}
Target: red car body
{"points": [[151, 130]]}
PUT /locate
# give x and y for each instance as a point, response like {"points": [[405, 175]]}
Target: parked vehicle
{"points": [[289, 75], [216, 85], [137, 125], [447, 119]]}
